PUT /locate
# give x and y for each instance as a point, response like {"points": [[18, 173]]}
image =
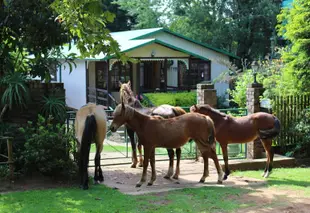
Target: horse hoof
{"points": [[175, 177], [138, 185], [201, 181], [140, 165], [219, 182], [133, 166], [225, 177], [167, 177], [149, 184], [263, 174], [85, 187], [101, 179]]}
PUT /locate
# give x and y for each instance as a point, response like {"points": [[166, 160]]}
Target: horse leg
{"points": [[205, 156], [217, 165], [147, 154], [140, 155], [153, 177], [171, 158], [177, 170], [225, 157], [134, 159], [267, 143]]}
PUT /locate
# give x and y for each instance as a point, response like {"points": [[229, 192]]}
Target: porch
{"points": [[148, 75]]}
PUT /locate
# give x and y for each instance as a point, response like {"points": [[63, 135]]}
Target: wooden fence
{"points": [[289, 110]]}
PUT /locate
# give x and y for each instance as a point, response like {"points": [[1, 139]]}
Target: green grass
{"points": [[284, 178], [102, 199]]}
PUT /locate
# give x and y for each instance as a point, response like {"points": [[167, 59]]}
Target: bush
{"points": [[47, 149], [302, 128], [174, 99]]}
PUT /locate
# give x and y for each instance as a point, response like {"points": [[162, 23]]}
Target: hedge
{"points": [[172, 98]]}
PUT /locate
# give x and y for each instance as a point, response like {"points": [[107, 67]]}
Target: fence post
{"points": [[254, 148], [206, 94]]}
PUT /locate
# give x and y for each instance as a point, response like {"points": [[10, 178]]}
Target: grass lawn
{"points": [[102, 199], [284, 178]]}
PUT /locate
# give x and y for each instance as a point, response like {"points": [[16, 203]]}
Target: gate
{"points": [[117, 147]]}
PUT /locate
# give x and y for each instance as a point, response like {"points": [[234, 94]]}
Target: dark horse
{"points": [[165, 111], [242, 130], [90, 126]]}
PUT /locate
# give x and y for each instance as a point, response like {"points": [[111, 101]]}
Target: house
{"points": [[166, 61]]}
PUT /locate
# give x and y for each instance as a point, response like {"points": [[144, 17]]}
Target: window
{"points": [[120, 73], [199, 71]]}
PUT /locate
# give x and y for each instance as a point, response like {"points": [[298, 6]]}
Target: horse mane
{"points": [[217, 112], [178, 111]]}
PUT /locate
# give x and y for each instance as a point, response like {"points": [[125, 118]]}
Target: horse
{"points": [[156, 131], [244, 129], [90, 126], [166, 111]]}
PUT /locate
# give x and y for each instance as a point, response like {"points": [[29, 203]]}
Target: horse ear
{"points": [[120, 84], [129, 83], [195, 105]]}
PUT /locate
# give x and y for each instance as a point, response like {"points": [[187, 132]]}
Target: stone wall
{"points": [[37, 91]]}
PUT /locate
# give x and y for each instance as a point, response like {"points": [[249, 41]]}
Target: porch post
{"points": [[188, 74], [108, 82], [165, 73], [87, 81], [137, 81]]}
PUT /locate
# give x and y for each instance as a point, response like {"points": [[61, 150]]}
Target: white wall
{"points": [[74, 84]]}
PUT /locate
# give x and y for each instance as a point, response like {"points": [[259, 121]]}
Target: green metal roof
{"points": [[133, 39]]}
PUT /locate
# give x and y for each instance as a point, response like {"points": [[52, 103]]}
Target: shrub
{"points": [[47, 149], [302, 128], [174, 99]]}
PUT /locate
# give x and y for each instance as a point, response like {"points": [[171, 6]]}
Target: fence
{"points": [[289, 110], [117, 147]]}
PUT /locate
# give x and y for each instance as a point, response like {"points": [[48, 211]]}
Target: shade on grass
{"points": [[102, 199], [285, 178]]}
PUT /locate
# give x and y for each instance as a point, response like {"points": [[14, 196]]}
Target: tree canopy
{"points": [[294, 27], [33, 32], [238, 26]]}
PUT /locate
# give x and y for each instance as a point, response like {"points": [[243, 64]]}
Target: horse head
{"points": [[126, 93], [201, 108], [121, 114]]}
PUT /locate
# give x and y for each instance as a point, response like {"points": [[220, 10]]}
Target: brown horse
{"points": [[242, 130], [90, 126], [165, 111], [155, 131]]}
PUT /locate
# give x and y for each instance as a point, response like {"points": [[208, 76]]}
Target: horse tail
{"points": [[89, 133], [271, 133], [178, 111]]}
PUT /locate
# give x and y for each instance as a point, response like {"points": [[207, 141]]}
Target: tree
{"points": [[294, 27], [37, 30], [122, 21], [147, 12]]}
